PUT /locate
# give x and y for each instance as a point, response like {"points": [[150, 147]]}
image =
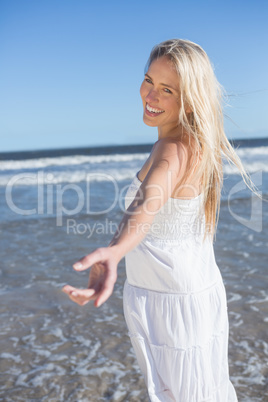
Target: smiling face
{"points": [[160, 93]]}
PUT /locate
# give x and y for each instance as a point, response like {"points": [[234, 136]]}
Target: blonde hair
{"points": [[202, 93]]}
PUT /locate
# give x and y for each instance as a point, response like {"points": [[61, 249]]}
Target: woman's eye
{"points": [[167, 91], [148, 80]]}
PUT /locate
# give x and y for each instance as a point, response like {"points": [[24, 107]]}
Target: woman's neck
{"points": [[176, 132]]}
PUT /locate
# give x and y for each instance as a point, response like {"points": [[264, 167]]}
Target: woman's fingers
{"points": [[102, 277], [90, 259], [107, 287], [104, 294], [79, 296]]}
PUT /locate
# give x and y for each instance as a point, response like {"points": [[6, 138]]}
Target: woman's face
{"points": [[160, 93]]}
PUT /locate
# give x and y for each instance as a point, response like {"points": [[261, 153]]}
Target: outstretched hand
{"points": [[102, 277]]}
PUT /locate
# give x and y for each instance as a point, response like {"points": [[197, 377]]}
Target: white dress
{"points": [[175, 307]]}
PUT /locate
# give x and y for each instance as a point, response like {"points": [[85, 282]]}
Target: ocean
{"points": [[57, 206]]}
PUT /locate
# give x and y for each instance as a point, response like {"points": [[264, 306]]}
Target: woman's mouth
{"points": [[152, 111]]}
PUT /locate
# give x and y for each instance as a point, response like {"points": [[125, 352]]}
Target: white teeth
{"points": [[152, 110]]}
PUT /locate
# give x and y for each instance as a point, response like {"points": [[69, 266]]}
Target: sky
{"points": [[70, 70]]}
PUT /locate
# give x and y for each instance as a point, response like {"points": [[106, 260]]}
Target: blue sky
{"points": [[70, 71]]}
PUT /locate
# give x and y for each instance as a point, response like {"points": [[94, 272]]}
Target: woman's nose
{"points": [[152, 96]]}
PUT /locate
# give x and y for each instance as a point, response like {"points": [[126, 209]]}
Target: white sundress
{"points": [[175, 307]]}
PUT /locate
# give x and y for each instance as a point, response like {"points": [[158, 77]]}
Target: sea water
{"points": [[58, 206]]}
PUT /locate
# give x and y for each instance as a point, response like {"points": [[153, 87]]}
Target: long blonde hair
{"points": [[202, 93]]}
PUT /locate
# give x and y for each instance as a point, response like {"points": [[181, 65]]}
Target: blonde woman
{"points": [[174, 297]]}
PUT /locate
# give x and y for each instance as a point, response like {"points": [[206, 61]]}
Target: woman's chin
{"points": [[149, 122]]}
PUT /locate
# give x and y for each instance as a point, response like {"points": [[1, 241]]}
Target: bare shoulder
{"points": [[168, 154], [170, 148]]}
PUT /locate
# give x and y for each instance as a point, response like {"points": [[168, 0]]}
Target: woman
{"points": [[174, 298]]}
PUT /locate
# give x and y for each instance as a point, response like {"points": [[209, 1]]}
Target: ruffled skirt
{"points": [[181, 343]]}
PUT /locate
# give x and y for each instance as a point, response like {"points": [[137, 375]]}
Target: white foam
{"points": [[83, 341], [107, 318], [256, 151], [16, 359], [38, 380], [253, 159], [57, 332], [42, 352], [248, 155], [73, 177], [236, 319], [254, 299], [22, 380], [250, 167], [82, 366], [102, 168], [254, 308], [234, 297], [69, 161]]}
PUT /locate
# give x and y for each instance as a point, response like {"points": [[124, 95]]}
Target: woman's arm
{"points": [[158, 185], [167, 169]]}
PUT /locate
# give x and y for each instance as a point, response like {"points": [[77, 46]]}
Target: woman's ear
{"points": [[188, 110]]}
